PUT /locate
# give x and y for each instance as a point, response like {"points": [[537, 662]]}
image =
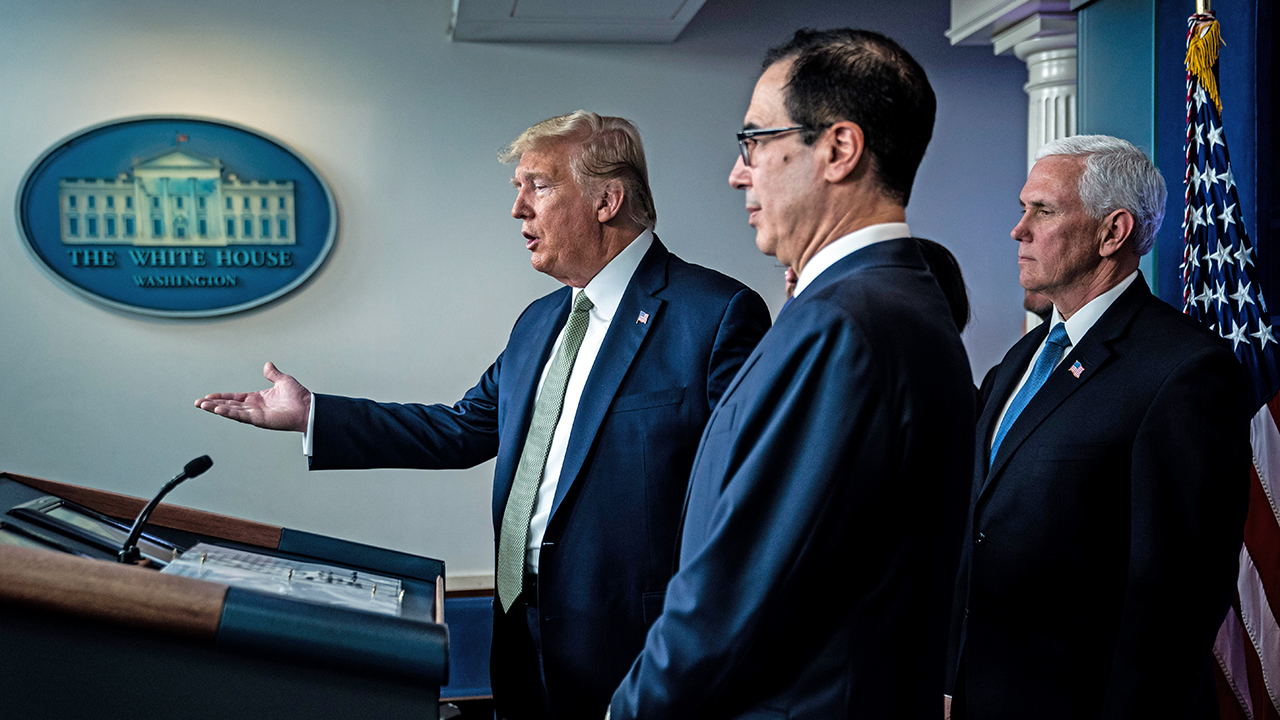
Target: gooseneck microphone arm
{"points": [[129, 552]]}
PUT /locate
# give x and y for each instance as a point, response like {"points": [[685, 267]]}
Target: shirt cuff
{"points": [[311, 423]]}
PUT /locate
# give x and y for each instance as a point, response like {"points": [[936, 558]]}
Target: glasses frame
{"points": [[748, 139]]}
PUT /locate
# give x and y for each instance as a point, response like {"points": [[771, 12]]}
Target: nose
{"points": [[740, 175], [520, 210], [1019, 231]]}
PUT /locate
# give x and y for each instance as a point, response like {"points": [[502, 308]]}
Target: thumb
{"points": [[270, 372]]}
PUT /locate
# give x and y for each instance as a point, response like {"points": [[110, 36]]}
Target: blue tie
{"points": [[1045, 364]]}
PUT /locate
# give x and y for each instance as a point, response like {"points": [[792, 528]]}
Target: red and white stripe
{"points": [[1248, 644]]}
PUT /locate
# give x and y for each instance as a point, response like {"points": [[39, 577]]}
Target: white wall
{"points": [[429, 270]]}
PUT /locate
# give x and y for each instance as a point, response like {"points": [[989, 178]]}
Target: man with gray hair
{"points": [[1111, 472], [593, 412]]}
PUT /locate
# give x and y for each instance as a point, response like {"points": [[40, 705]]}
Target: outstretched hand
{"points": [[283, 406]]}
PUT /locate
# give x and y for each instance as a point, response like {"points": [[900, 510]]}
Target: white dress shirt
{"points": [[1079, 324], [847, 245], [605, 293]]}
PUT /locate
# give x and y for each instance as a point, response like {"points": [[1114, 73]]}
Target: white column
{"points": [[1051, 93], [1046, 42]]}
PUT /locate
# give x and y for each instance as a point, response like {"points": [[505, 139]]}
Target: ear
{"points": [[842, 150], [1114, 232], [609, 200]]}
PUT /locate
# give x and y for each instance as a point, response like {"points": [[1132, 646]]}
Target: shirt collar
{"points": [[837, 250], [1087, 316], [606, 288]]}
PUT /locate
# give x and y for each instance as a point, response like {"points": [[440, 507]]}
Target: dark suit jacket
{"points": [[610, 542], [824, 512], [1103, 540]]}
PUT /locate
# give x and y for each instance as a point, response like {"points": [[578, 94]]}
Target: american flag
{"points": [[1219, 289]]}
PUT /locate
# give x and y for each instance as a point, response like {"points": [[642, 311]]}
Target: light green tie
{"points": [[533, 458]]}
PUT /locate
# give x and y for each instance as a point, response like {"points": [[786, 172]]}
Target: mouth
{"points": [[752, 212], [530, 241]]}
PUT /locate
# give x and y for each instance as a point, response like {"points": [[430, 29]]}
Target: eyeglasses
{"points": [[747, 139]]}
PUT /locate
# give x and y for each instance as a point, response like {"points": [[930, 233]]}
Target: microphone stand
{"points": [[129, 552]]}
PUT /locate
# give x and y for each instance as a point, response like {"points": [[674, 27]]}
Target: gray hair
{"points": [[608, 148], [1116, 175]]}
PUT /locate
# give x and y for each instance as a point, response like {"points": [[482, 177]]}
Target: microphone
{"points": [[129, 552]]}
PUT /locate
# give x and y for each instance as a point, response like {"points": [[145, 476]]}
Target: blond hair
{"points": [[607, 148]]}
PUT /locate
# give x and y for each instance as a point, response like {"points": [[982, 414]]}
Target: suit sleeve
{"points": [[1189, 488], [355, 434], [782, 501], [745, 321]]}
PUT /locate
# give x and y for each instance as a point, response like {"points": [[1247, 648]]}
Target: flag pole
{"points": [[1245, 650]]}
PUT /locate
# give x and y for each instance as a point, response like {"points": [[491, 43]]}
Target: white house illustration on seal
{"points": [[177, 198]]}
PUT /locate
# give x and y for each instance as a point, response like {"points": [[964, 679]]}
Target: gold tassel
{"points": [[1202, 56]]}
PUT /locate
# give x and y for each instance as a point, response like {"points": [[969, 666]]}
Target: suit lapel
{"points": [[1092, 353], [525, 364], [1012, 367], [621, 344]]}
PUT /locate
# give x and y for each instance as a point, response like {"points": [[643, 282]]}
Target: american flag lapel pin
{"points": [[643, 319], [1077, 369]]}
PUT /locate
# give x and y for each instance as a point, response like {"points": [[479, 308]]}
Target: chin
{"points": [[766, 245]]}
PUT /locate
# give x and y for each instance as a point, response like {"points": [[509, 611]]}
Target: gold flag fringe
{"points": [[1202, 56]]}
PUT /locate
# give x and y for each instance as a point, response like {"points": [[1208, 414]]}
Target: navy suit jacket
{"points": [[1103, 540], [609, 545], [824, 513]]}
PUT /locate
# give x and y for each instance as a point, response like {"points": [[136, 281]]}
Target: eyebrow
{"points": [[750, 126], [529, 176]]}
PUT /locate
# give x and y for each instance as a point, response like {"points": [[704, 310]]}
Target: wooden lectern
{"points": [[82, 636]]}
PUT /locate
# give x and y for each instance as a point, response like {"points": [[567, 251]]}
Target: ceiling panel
{"points": [[611, 21], [650, 10]]}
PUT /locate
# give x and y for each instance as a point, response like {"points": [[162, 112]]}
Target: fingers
{"points": [[225, 407], [213, 402], [238, 397]]}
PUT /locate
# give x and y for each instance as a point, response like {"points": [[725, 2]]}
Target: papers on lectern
{"points": [[311, 582]]}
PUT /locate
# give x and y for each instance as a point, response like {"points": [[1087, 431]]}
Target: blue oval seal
{"points": [[176, 216]]}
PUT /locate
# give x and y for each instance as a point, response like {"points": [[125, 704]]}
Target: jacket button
{"points": [[980, 539]]}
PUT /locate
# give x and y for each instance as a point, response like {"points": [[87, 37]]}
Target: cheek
{"points": [[548, 218]]}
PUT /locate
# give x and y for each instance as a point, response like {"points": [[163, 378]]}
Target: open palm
{"points": [[283, 406]]}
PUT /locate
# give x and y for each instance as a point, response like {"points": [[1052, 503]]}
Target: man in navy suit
{"points": [[592, 411], [1111, 474], [826, 502]]}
